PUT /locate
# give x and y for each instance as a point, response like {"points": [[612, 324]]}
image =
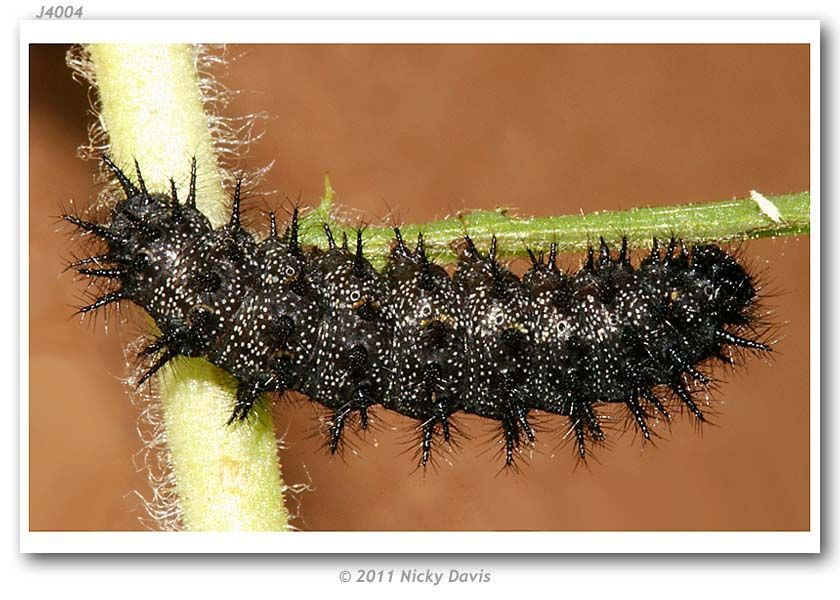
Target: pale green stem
{"points": [[725, 221], [227, 478]]}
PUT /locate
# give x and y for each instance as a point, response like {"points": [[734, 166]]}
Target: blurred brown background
{"points": [[425, 131]]}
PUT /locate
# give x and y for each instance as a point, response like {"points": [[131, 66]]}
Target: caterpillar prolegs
{"points": [[414, 339]]}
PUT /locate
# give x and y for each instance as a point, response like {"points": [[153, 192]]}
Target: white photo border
{"points": [[425, 32]]}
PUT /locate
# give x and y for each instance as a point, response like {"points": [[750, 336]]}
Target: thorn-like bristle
{"points": [[534, 261], [93, 228], [470, 248], [177, 214], [683, 365], [730, 338], [580, 435], [109, 298], [604, 254], [193, 174], [426, 437], [359, 262], [593, 422], [157, 366], [638, 415], [235, 216], [155, 346], [590, 259], [330, 239], [679, 388], [140, 181], [293, 232], [657, 404], [174, 191], [672, 248], [655, 256], [107, 273], [552, 256], [247, 394], [98, 259], [623, 256], [128, 188], [337, 423], [421, 249], [400, 243]]}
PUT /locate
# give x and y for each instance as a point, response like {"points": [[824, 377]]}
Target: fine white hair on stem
{"points": [[233, 136], [162, 511]]}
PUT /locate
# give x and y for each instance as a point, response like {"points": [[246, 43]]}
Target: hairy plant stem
{"points": [[227, 478]]}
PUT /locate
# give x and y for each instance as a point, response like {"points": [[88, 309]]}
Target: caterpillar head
{"points": [[730, 290]]}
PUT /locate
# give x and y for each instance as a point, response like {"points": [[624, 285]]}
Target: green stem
{"points": [[226, 478], [725, 221]]}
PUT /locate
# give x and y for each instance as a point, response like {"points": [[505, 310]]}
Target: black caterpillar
{"points": [[413, 339]]}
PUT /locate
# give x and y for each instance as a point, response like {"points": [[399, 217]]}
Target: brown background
{"points": [[425, 131]]}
